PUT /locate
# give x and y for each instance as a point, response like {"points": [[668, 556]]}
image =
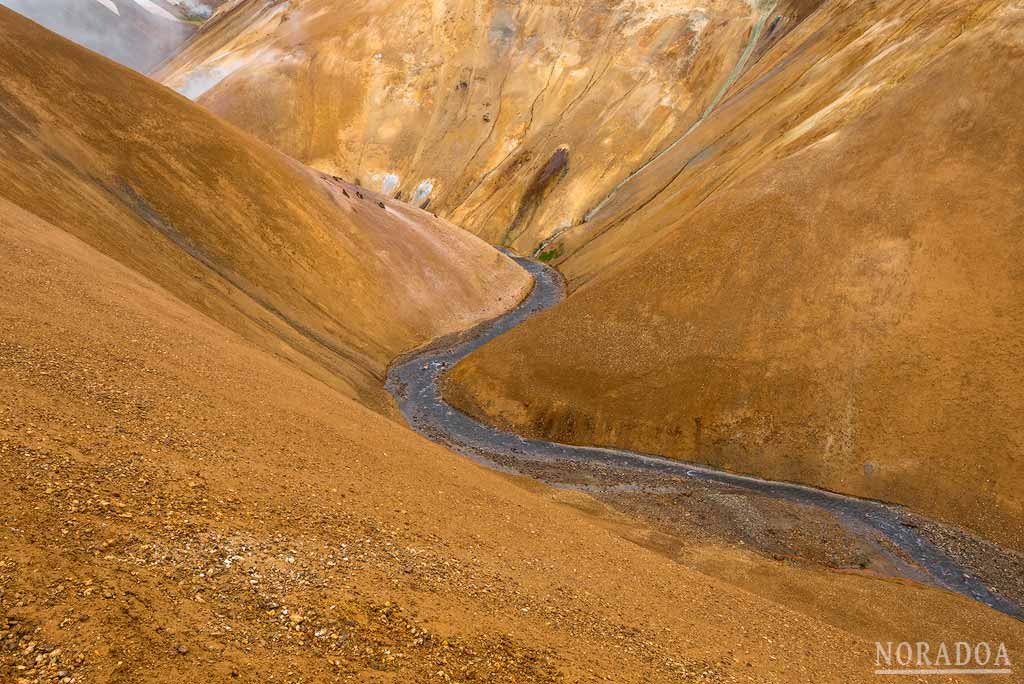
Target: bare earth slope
{"points": [[184, 500], [826, 73], [841, 305], [512, 119], [303, 267], [181, 506]]}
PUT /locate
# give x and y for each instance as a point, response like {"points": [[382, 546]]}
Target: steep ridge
{"points": [[186, 501], [485, 109], [833, 67], [832, 299], [302, 266]]}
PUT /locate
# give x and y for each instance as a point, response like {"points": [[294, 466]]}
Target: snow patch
{"points": [[194, 8], [156, 10], [389, 183], [109, 4]]}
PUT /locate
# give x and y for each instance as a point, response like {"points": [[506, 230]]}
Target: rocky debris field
{"points": [[698, 513], [179, 505]]}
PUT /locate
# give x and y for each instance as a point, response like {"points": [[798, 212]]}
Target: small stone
{"points": [[182, 649]]}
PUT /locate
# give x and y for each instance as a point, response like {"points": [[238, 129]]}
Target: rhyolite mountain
{"points": [[821, 283], [203, 477], [511, 119], [787, 226]]}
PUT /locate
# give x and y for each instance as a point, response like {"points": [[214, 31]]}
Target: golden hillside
{"points": [[192, 492], [299, 265], [511, 120], [822, 284]]}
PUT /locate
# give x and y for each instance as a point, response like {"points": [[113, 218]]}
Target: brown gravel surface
{"points": [[698, 513], [185, 496], [182, 506]]}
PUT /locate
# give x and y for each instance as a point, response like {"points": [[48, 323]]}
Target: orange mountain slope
{"points": [[835, 300], [194, 490], [300, 265], [181, 505], [512, 120]]}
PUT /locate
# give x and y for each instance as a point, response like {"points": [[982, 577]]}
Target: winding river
{"points": [[413, 381]]}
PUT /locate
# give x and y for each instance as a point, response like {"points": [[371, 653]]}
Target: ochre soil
{"points": [[835, 300], [183, 506], [336, 284], [195, 487], [473, 97]]}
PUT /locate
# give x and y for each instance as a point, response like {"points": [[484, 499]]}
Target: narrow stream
{"points": [[413, 381]]}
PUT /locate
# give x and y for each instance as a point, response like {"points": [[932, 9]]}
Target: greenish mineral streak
{"points": [[765, 9]]}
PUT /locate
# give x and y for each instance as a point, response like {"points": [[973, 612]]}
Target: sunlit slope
{"points": [[336, 284], [831, 69], [849, 315], [512, 120]]}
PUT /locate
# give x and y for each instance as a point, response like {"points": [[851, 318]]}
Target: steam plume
{"points": [[138, 35]]}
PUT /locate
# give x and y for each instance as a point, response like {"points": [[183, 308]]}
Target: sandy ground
{"points": [[189, 496], [182, 506]]}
